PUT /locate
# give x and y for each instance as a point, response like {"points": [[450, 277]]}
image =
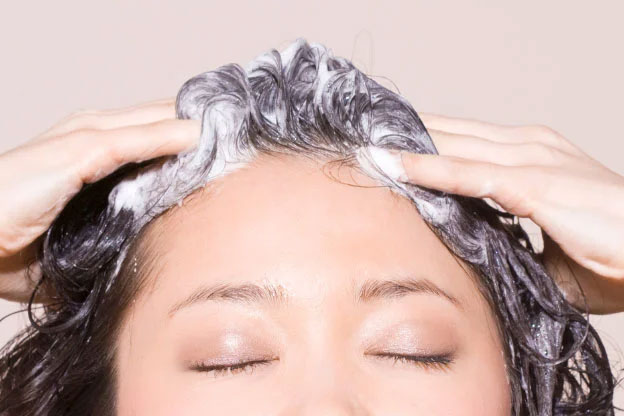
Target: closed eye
{"points": [[429, 362], [220, 370]]}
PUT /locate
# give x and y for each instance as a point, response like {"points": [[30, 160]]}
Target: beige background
{"points": [[558, 63]]}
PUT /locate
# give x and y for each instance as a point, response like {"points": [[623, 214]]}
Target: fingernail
{"points": [[389, 161]]}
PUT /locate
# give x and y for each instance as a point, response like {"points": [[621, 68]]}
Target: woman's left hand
{"points": [[534, 172]]}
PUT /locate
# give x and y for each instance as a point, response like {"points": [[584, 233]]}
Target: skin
{"points": [[283, 221], [360, 233]]}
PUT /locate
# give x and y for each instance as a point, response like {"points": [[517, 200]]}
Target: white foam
{"points": [[389, 162], [385, 170]]}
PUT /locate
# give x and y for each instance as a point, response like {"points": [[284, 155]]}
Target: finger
{"points": [[506, 185], [484, 150], [105, 150], [499, 132], [490, 131], [115, 118]]}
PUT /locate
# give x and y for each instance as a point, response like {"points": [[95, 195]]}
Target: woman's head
{"points": [[278, 240]]}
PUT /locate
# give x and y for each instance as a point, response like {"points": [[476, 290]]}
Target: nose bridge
{"points": [[333, 405], [325, 381], [327, 391]]}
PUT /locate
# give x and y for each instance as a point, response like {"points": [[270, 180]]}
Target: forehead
{"points": [[308, 226]]}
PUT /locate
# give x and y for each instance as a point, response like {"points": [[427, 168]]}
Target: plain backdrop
{"points": [[555, 62]]}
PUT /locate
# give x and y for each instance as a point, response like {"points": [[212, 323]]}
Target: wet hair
{"points": [[303, 101]]}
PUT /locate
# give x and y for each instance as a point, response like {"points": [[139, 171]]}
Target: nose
{"points": [[327, 382], [328, 405], [326, 387]]}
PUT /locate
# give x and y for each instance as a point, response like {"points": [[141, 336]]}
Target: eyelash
{"points": [[428, 362], [222, 370]]}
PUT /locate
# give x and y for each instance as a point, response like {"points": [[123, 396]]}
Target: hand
{"points": [[534, 172], [38, 178]]}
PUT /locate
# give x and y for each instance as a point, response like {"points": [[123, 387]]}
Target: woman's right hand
{"points": [[38, 178]]}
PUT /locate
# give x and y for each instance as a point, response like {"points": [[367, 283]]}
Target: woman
{"points": [[286, 262]]}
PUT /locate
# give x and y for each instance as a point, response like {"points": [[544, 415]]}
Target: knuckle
{"points": [[80, 134], [546, 153], [86, 112], [510, 190], [542, 133], [112, 153], [541, 130], [100, 157], [9, 245], [538, 183], [492, 181], [164, 125], [80, 118], [456, 167], [545, 175]]}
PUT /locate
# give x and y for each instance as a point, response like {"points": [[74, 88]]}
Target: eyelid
{"points": [[375, 348], [441, 362], [224, 362], [219, 369], [407, 336], [412, 352]]}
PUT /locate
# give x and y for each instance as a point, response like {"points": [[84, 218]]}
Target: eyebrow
{"points": [[270, 294]]}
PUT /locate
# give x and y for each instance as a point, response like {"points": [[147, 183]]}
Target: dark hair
{"points": [[300, 101]]}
